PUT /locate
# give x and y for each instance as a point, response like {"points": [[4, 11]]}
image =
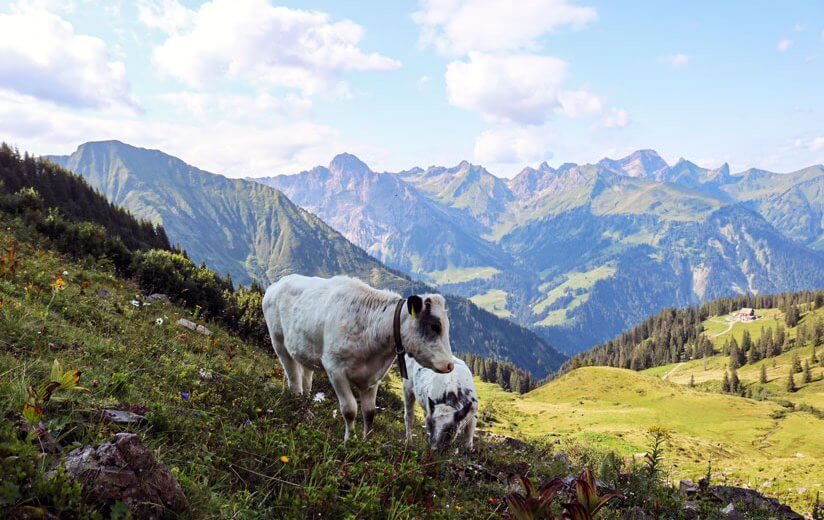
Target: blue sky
{"points": [[258, 87]]}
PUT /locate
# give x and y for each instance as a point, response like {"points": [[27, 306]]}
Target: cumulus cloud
{"points": [[456, 27], [208, 107], [512, 144], [42, 56], [168, 16], [676, 61], [516, 88], [616, 118], [224, 146], [255, 41], [784, 45]]}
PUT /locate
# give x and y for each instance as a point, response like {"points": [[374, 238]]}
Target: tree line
{"points": [[503, 373], [675, 335]]}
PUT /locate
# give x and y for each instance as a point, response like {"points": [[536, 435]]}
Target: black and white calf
{"points": [[449, 402]]}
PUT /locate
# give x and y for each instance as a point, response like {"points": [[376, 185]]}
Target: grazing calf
{"points": [[345, 327], [449, 402]]}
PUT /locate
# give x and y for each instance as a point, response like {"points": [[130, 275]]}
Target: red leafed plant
{"points": [[9, 260], [536, 504]]}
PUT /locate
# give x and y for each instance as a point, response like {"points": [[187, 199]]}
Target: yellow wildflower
{"points": [[59, 284], [284, 459]]}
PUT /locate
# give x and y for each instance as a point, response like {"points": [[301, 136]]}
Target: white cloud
{"points": [[456, 27], [511, 144], [519, 88], [255, 41], [42, 56], [816, 144], [676, 61], [223, 146], [168, 16], [784, 45], [423, 82], [235, 107], [616, 118]]}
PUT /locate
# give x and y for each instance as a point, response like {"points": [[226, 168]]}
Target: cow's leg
{"points": [[346, 399], [307, 380], [368, 397], [290, 366], [408, 408]]}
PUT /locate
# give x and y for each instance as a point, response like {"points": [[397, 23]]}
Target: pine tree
{"points": [[692, 381], [735, 383], [725, 385], [735, 358], [796, 364], [808, 376], [791, 383], [814, 357]]}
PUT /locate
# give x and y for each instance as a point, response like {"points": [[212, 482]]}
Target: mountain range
{"points": [[581, 252], [255, 232]]}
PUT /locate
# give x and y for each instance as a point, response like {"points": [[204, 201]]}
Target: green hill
{"points": [[761, 444]]}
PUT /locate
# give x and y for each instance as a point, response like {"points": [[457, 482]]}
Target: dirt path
{"points": [[729, 328], [676, 367]]}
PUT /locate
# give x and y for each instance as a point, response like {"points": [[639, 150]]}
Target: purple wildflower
{"points": [[184, 395]]}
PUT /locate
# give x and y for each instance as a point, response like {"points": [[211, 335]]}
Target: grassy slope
{"points": [[226, 440], [494, 301], [746, 440], [709, 374]]}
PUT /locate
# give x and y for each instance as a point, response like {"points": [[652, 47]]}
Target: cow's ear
{"points": [[414, 304], [431, 405]]}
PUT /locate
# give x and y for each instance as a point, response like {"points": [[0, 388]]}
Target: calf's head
{"points": [[444, 419], [426, 332]]}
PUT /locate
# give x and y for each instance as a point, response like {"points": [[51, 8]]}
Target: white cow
{"points": [[345, 327], [449, 402]]}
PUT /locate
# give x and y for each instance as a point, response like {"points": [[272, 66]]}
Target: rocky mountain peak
{"points": [[348, 163]]}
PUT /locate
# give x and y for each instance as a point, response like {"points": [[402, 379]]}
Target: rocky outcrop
{"points": [[124, 470]]}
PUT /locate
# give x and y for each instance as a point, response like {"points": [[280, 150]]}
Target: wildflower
{"points": [[284, 459], [319, 397], [258, 410], [184, 396], [135, 303], [335, 413], [65, 273], [85, 284], [457, 507], [159, 321], [247, 422], [197, 414], [58, 285]]}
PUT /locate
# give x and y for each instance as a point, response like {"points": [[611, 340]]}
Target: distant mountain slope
{"points": [[389, 218], [252, 231], [582, 251]]}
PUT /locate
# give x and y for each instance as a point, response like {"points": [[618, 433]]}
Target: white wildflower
{"points": [[135, 303], [65, 273], [159, 321], [335, 413], [319, 397]]}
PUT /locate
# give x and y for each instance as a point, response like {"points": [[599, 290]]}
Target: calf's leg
{"points": [[470, 431], [346, 400], [408, 408], [368, 398]]}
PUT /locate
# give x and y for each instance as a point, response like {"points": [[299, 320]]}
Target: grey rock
{"points": [[183, 322], [158, 297], [124, 470], [122, 416], [687, 488]]}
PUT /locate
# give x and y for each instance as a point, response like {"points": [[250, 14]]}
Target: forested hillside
{"points": [[41, 185], [676, 335]]}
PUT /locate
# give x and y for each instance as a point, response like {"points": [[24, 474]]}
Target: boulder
{"points": [[687, 488], [124, 470], [158, 297], [730, 494]]}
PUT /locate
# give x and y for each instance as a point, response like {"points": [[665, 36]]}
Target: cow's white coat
{"points": [[449, 402], [345, 327]]}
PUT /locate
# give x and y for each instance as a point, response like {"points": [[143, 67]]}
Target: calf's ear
{"points": [[414, 304]]}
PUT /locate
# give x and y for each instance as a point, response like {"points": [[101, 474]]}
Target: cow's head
{"points": [[426, 332], [444, 420]]}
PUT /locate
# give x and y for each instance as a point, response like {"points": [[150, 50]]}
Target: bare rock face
{"points": [[124, 470]]}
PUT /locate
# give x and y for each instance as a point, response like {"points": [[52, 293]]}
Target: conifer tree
{"points": [[796, 364], [692, 381], [808, 376], [725, 385], [791, 383], [735, 383], [763, 378]]}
